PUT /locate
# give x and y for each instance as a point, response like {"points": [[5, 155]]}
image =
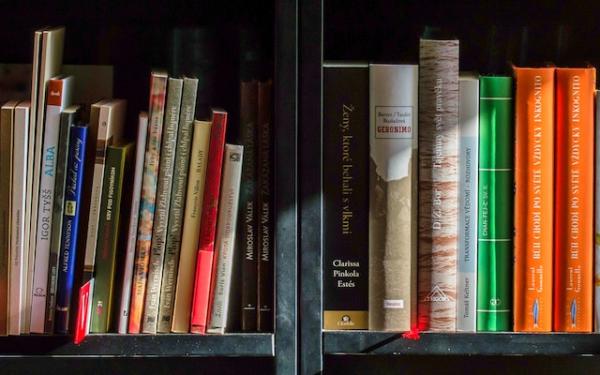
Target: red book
{"points": [[208, 223]]}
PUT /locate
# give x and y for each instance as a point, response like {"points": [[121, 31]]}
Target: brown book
{"points": [[265, 208]]}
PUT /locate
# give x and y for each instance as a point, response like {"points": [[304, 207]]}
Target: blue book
{"points": [[68, 242]]}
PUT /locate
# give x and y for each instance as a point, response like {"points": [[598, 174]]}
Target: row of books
{"points": [[477, 192], [104, 234]]}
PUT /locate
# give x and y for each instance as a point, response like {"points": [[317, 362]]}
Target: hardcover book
{"points": [[182, 306], [597, 222], [158, 92], [534, 199], [574, 200], [70, 231], [115, 172], [438, 184], [495, 200], [220, 294], [47, 63], [17, 268], [140, 150], [345, 196], [247, 225], [466, 276], [208, 223], [393, 194], [7, 124], [67, 118], [180, 179], [58, 97], [163, 200], [265, 208]]}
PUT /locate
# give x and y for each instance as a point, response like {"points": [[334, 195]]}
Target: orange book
{"points": [[534, 199], [574, 199]]}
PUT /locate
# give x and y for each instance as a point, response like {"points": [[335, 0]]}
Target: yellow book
{"points": [[191, 227]]}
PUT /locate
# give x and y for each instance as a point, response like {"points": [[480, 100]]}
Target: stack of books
{"points": [[471, 205], [104, 234]]}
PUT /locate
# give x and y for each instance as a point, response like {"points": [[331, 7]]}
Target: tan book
{"points": [[191, 227]]}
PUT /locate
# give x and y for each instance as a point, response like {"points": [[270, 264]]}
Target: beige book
{"points": [[47, 63], [191, 227]]}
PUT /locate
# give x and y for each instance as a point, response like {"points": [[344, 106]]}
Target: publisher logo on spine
{"points": [[437, 295], [393, 122]]}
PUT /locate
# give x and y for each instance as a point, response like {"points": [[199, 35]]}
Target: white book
{"points": [[468, 123], [17, 269], [47, 62], [225, 240], [58, 98], [133, 223]]}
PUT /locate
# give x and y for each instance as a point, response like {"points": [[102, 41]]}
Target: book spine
{"points": [[534, 199], [393, 139], [495, 201], [597, 220], [158, 90], [133, 223], [161, 216], [106, 254], [225, 242], [182, 306], [345, 199], [265, 208], [174, 230], [438, 183], [208, 224], [68, 243], [58, 96], [66, 120], [7, 118], [466, 277], [247, 218], [574, 200], [18, 250]]}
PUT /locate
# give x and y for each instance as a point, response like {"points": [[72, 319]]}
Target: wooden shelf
{"points": [[384, 343]]}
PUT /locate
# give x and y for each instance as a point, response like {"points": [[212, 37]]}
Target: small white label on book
{"points": [[393, 303], [393, 122]]}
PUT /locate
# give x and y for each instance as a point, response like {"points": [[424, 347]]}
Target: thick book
{"points": [[574, 200], [466, 274], [221, 294], [47, 62], [247, 226], [345, 196], [17, 268], [70, 232], [115, 174], [177, 205], [392, 247], [7, 124], [208, 223], [58, 98], [495, 204], [140, 150], [597, 222], [162, 203], [158, 93], [264, 207], [438, 184], [534, 199], [182, 306], [68, 117], [107, 118]]}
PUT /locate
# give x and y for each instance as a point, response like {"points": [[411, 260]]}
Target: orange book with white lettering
{"points": [[574, 200], [534, 199]]}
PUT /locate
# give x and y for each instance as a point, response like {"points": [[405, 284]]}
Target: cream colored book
{"points": [[47, 63], [191, 227]]}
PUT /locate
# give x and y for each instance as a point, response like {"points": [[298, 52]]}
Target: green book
{"points": [[495, 205], [115, 172]]}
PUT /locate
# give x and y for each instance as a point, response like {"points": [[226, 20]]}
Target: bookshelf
{"points": [[385, 31], [134, 37]]}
